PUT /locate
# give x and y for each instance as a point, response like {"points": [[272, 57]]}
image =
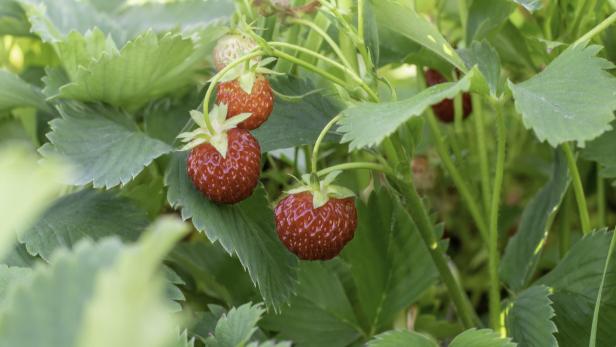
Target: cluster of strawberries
{"points": [[315, 221]]}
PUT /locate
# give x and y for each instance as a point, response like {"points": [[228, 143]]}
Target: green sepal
{"points": [[247, 73], [220, 125], [322, 190]]}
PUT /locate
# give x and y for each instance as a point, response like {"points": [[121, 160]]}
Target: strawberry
{"points": [[445, 110], [259, 102], [224, 164], [316, 224], [232, 47]]}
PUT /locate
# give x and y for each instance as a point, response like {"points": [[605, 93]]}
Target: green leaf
{"points": [[529, 318], [145, 69], [270, 344], [601, 150], [530, 5], [128, 306], [403, 20], [480, 338], [76, 51], [214, 271], [105, 145], [236, 326], [571, 100], [321, 313], [85, 214], [371, 32], [597, 310], [524, 249], [368, 124], [487, 60], [15, 92], [575, 283], [53, 20], [387, 280], [484, 16], [246, 229], [13, 20], [19, 257], [58, 294], [401, 338], [165, 118], [26, 189], [172, 291], [9, 277], [297, 122], [186, 15]]}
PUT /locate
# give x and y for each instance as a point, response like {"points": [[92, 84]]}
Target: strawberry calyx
{"points": [[246, 74], [321, 189], [215, 133]]}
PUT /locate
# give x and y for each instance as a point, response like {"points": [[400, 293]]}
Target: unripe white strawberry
{"points": [[230, 48]]}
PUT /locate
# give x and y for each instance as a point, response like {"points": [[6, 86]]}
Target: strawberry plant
{"points": [[307, 173]]}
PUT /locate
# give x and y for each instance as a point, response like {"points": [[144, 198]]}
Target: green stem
{"points": [[346, 70], [325, 36], [463, 13], [285, 66], [356, 166], [308, 66], [482, 151], [214, 81], [314, 41], [443, 153], [457, 115], [493, 256], [391, 152], [595, 319], [317, 144], [346, 44], [602, 220], [578, 188], [420, 217], [360, 18], [460, 183], [565, 227], [597, 29]]}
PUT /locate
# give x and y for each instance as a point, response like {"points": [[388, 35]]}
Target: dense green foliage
{"points": [[495, 230]]}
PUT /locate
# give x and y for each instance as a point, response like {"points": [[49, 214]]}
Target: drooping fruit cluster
{"points": [[316, 224], [225, 159], [445, 110]]}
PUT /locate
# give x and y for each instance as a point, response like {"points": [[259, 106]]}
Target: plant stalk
{"points": [[597, 29], [419, 215], [356, 166], [493, 255], [578, 188], [482, 151], [315, 151], [601, 209], [457, 178]]}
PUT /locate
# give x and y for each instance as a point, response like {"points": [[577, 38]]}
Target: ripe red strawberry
{"points": [[315, 233], [445, 110], [259, 103], [229, 179], [230, 48]]}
